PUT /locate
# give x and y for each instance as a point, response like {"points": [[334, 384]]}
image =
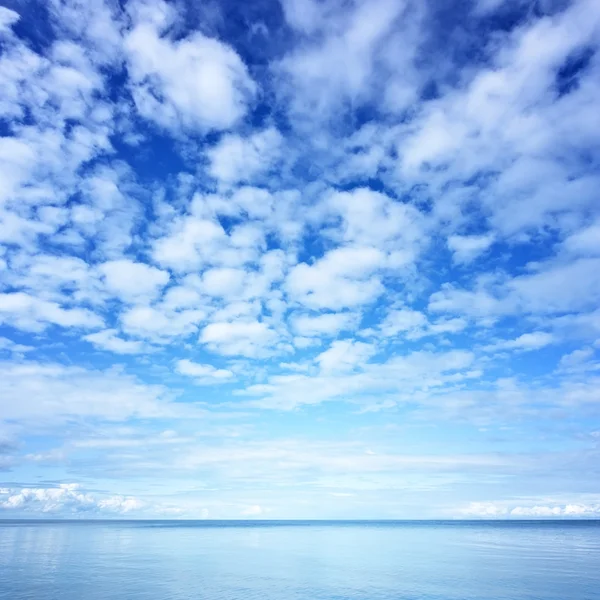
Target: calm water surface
{"points": [[283, 561]]}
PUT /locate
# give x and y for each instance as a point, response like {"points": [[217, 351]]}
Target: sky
{"points": [[300, 259]]}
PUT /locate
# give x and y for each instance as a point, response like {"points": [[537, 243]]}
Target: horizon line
{"points": [[366, 520]]}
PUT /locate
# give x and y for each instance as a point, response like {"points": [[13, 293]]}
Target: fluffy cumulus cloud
{"points": [[108, 339], [413, 324], [344, 277], [344, 355], [31, 313], [131, 281], [246, 338], [195, 81], [359, 244], [235, 159], [202, 373], [69, 499]]}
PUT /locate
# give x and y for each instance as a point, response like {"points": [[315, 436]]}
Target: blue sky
{"points": [[300, 259]]}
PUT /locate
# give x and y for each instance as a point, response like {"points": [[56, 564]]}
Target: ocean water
{"points": [[311, 561]]}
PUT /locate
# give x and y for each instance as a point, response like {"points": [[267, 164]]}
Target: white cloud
{"points": [[108, 339], [467, 248], [223, 282], [26, 312], [584, 242], [272, 247], [371, 219], [179, 297], [305, 342], [133, 281], [551, 288], [47, 499], [10, 346], [486, 125], [504, 510], [66, 498], [121, 504], [252, 511], [402, 320], [344, 277], [194, 242], [330, 463], [305, 15], [202, 373], [579, 361], [484, 509], [110, 210], [478, 303], [98, 24], [376, 235], [561, 287], [414, 325], [442, 326], [344, 355], [353, 378], [239, 338], [328, 324], [59, 120], [525, 342], [194, 82], [235, 159], [7, 18], [338, 64], [189, 243], [49, 392], [159, 324], [62, 279]]}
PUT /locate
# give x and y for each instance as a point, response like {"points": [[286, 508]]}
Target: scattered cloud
{"points": [[466, 248], [213, 93], [579, 361], [242, 338], [29, 313], [343, 278], [414, 325], [202, 373], [108, 339], [344, 355], [10, 346], [235, 159], [566, 511], [131, 281], [324, 324], [524, 343]]}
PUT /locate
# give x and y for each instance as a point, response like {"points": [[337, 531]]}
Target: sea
{"points": [[300, 560]]}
